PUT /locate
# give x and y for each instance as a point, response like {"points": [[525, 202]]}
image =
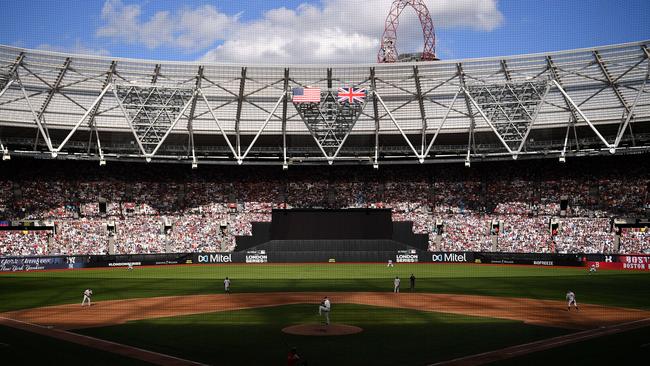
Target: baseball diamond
{"points": [[289, 185]]}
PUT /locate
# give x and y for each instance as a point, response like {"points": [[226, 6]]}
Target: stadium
{"points": [[437, 212]]}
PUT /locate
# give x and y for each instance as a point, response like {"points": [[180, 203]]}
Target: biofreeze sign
{"points": [[407, 258]]}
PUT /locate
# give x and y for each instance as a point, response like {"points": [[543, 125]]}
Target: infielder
{"points": [[87, 295], [396, 284], [571, 298], [325, 307], [226, 285]]}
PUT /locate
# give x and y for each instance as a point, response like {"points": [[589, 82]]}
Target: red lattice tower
{"points": [[388, 49]]}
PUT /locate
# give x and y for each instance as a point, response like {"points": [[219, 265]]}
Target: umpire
{"points": [[412, 278]]}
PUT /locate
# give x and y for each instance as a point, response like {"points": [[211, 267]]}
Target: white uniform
{"points": [[87, 295], [396, 285], [129, 266], [226, 285], [390, 263], [325, 308], [592, 269], [571, 298]]}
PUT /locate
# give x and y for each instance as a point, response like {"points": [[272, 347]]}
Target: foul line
{"points": [[544, 344], [101, 344]]}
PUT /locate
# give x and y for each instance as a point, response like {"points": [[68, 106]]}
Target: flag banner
{"points": [[351, 95], [306, 95]]}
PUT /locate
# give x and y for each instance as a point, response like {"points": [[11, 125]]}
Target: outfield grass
{"points": [[613, 288], [390, 336]]}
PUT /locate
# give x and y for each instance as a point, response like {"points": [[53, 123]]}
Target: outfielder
{"points": [[226, 285], [593, 268], [571, 298], [390, 263], [325, 308], [396, 284], [87, 295]]}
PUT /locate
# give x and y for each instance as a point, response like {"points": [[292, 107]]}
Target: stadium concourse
{"points": [[157, 208]]}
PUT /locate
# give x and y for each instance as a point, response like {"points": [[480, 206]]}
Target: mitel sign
{"points": [[449, 257], [214, 258]]}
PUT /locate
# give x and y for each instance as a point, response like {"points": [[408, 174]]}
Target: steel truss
{"points": [[510, 109], [420, 104], [330, 122]]}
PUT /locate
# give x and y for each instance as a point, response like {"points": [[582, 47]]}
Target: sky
{"points": [[314, 31]]}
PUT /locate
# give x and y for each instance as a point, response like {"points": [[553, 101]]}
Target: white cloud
{"points": [[188, 29], [78, 47], [332, 31]]}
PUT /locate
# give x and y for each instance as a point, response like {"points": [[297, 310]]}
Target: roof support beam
{"points": [[610, 81], [550, 65], [423, 116], [284, 117], [570, 101], [156, 74], [533, 118], [216, 120], [506, 72], [76, 126], [471, 143], [487, 120], [54, 88], [373, 87], [190, 117], [444, 119], [95, 109], [417, 155], [240, 101], [621, 131], [11, 81], [39, 126], [612, 84], [259, 132]]}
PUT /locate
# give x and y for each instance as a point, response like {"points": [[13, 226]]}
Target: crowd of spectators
{"points": [[162, 208]]}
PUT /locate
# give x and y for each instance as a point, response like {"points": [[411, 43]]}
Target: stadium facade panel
{"points": [[557, 104]]}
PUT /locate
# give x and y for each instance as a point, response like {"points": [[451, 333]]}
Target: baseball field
{"points": [[457, 314]]}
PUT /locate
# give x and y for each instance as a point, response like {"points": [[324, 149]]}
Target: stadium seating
{"points": [[205, 210]]}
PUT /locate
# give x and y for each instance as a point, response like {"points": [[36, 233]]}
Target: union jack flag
{"points": [[351, 95]]}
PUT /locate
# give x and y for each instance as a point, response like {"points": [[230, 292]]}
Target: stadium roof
{"points": [[554, 104]]}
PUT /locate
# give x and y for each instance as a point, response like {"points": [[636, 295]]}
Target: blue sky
{"points": [[317, 31]]}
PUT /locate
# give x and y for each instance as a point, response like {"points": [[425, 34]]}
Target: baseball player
{"points": [[571, 298], [226, 285], [325, 307], [396, 284], [87, 295], [593, 268], [390, 263], [129, 266]]}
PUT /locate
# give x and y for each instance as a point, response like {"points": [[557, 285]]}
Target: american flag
{"points": [[351, 95], [306, 95]]}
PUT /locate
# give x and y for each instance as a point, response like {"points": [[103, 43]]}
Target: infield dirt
{"points": [[531, 311]]}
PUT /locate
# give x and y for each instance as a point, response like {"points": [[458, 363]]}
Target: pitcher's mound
{"points": [[322, 330]]}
